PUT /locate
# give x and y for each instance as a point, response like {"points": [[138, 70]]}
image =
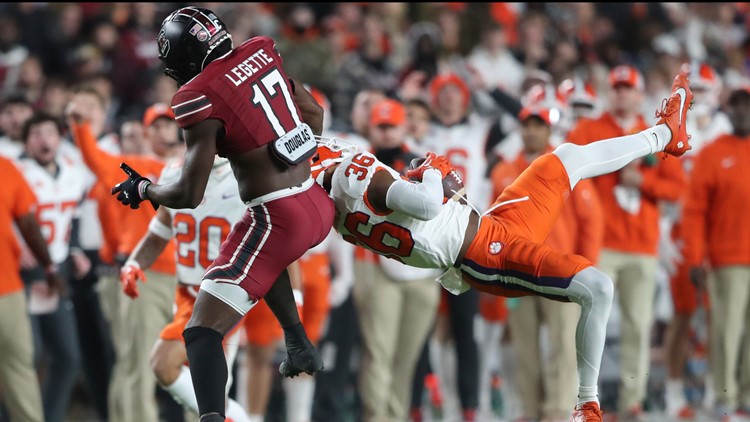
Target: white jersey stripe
{"points": [[188, 101], [194, 111]]}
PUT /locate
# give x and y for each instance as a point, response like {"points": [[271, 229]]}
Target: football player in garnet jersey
{"points": [[501, 251], [240, 104]]}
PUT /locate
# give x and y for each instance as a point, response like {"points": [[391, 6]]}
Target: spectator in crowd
{"points": [[59, 185], [493, 54], [396, 304], [137, 333], [630, 200], [14, 112], [705, 123], [21, 393], [714, 214], [369, 67], [12, 54]]}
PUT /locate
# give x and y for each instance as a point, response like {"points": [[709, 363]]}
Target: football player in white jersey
{"points": [[59, 186], [198, 234], [500, 251]]}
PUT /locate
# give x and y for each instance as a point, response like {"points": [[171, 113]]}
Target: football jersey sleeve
{"points": [[191, 107], [23, 199]]}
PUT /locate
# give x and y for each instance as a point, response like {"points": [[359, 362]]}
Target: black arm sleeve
{"points": [[508, 102]]}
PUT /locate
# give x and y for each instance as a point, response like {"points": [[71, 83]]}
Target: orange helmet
{"points": [[330, 152]]}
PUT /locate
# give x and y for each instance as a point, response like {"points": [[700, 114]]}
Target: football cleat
{"points": [[587, 412], [673, 113]]}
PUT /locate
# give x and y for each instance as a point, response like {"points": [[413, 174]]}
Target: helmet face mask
{"points": [[331, 151], [187, 38]]}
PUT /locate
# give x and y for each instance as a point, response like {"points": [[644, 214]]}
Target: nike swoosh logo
{"points": [[683, 97]]}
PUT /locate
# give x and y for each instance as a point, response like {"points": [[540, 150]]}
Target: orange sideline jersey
{"points": [[16, 200], [716, 219], [663, 180], [106, 167]]}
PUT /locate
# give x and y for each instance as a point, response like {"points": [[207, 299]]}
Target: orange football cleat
{"points": [[587, 412], [674, 113]]}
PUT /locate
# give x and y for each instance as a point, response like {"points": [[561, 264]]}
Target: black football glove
{"points": [[133, 190]]}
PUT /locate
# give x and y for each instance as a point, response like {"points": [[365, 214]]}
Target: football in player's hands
{"points": [[453, 186]]}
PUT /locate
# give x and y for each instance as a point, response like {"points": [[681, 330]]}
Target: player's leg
{"points": [[593, 290], [212, 318], [521, 267], [602, 157]]}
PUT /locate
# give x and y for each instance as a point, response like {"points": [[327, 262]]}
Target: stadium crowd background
{"points": [[505, 57]]}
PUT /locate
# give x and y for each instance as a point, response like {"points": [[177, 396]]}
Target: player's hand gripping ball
{"points": [[453, 186]]}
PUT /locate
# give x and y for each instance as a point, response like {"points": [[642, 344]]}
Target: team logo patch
{"points": [[496, 247], [202, 36], [163, 43]]}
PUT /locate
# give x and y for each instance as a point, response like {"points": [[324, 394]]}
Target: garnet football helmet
{"points": [[187, 37]]}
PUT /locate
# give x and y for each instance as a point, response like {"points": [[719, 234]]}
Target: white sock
{"points": [[588, 394], [674, 391], [182, 390], [256, 418], [593, 290], [709, 396], [609, 155], [299, 398], [236, 413]]}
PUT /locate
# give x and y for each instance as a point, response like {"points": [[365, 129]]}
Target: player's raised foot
{"points": [[587, 412], [306, 360], [673, 113]]}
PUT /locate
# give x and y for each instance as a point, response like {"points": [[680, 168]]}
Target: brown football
{"points": [[453, 186]]}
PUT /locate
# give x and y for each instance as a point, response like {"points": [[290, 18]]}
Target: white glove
{"points": [[339, 291]]}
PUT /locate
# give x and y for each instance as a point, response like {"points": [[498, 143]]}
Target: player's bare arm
{"points": [[157, 238], [188, 191], [28, 226], [312, 112]]}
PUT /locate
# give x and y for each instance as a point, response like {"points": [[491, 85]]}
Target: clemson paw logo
{"points": [[496, 247]]}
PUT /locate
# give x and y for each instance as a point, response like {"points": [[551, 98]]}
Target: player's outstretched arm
{"points": [[188, 191], [312, 112], [152, 243]]}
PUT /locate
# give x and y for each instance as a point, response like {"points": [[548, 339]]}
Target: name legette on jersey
{"points": [[436, 242]]}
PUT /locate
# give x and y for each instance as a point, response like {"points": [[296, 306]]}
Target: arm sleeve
{"points": [[419, 200], [190, 108], [508, 102], [104, 165]]}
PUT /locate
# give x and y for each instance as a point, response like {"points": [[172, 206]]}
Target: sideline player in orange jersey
{"points": [[501, 251]]}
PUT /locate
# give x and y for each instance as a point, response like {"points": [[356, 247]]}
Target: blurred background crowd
{"points": [[490, 85]]}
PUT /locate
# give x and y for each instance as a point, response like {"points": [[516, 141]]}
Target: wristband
{"points": [[132, 263], [160, 229], [142, 186]]}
